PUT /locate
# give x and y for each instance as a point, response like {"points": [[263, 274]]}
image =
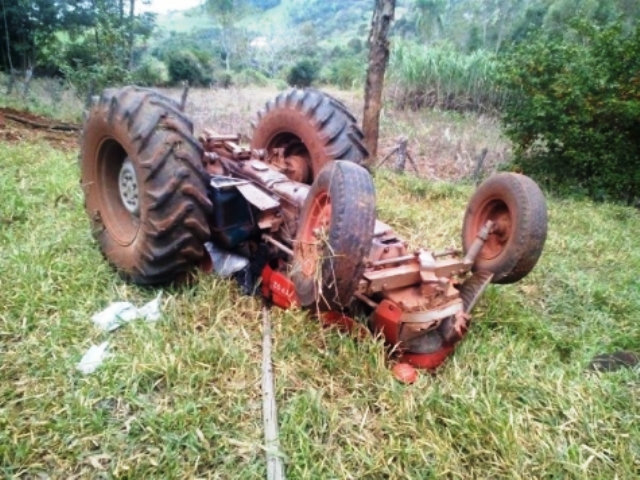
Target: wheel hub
{"points": [[314, 233], [499, 214], [297, 168], [128, 187]]}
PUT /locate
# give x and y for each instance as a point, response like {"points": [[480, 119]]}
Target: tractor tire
{"points": [[144, 185], [334, 236], [518, 209], [313, 128]]}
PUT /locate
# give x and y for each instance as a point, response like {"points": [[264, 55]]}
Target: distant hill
{"points": [[331, 20]]}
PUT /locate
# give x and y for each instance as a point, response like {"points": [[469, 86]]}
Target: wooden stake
{"points": [[275, 467], [185, 94], [402, 154], [477, 174]]}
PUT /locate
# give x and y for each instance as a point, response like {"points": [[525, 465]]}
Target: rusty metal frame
{"points": [[415, 297]]}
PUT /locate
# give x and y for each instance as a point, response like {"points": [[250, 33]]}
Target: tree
{"points": [[104, 29], [6, 33], [430, 17], [573, 109], [378, 61], [227, 13], [26, 28], [303, 73]]}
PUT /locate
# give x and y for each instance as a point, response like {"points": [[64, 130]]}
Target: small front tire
{"points": [[518, 209], [334, 236]]}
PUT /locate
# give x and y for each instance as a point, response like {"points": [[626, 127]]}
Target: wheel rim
{"points": [[297, 168], [314, 235], [498, 212], [296, 156], [119, 201], [128, 187]]}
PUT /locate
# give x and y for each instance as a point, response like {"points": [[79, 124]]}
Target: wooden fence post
{"points": [[12, 79], [402, 154], [28, 75], [477, 174]]}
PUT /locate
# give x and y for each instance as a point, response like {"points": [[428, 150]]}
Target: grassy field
{"points": [[181, 398]]}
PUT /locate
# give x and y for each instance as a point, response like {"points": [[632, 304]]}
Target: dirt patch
{"points": [[17, 126]]}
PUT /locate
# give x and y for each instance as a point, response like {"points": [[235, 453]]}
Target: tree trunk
{"points": [[227, 53], [96, 35], [6, 32], [378, 60], [132, 12], [503, 19]]}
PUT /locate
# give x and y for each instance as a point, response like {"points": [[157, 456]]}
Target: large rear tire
{"points": [[518, 209], [313, 128], [334, 236], [144, 185]]}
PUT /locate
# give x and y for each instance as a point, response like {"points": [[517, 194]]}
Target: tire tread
{"points": [[175, 210]]}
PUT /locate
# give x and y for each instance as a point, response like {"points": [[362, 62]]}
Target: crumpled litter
{"points": [[112, 318], [225, 263], [119, 313], [93, 358]]}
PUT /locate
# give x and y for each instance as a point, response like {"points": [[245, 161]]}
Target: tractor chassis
{"points": [[419, 301], [293, 216]]}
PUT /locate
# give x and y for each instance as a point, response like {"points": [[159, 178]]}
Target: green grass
{"points": [[181, 398]]}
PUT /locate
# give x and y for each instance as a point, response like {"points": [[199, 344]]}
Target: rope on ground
{"points": [[275, 466]]}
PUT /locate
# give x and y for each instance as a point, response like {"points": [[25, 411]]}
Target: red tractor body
{"points": [[295, 213]]}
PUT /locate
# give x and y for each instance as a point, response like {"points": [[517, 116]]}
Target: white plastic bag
{"points": [[119, 313], [93, 358]]}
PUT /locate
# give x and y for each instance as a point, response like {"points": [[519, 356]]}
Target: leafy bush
{"points": [[91, 80], [346, 72], [90, 69], [442, 76], [151, 72], [79, 55], [223, 79], [185, 66], [574, 110], [249, 76], [355, 45], [303, 73]]}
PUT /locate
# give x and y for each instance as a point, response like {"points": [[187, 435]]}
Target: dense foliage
{"points": [[26, 29], [443, 77], [574, 109], [303, 73], [151, 72], [185, 66], [90, 42]]}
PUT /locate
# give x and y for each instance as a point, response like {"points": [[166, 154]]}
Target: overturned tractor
{"points": [[292, 217]]}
